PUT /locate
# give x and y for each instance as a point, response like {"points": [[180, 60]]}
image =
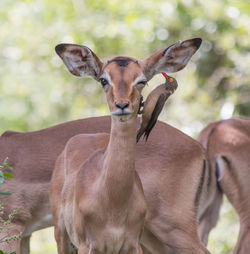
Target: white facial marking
{"points": [[138, 79], [106, 76]]}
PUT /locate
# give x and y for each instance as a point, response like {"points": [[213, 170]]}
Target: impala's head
{"points": [[123, 78]]}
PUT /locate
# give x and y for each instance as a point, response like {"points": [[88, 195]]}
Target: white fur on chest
{"points": [[113, 240]]}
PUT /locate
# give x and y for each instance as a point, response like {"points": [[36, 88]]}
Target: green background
{"points": [[36, 91]]}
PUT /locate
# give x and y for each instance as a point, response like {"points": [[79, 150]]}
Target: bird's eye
{"points": [[104, 82], [142, 82]]}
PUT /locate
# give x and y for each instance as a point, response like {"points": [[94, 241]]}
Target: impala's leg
{"points": [[139, 249], [152, 244], [83, 249], [61, 235], [243, 243], [182, 237], [74, 250], [209, 218], [145, 250], [63, 241], [64, 245], [25, 245], [185, 243], [232, 185], [13, 245], [135, 250]]}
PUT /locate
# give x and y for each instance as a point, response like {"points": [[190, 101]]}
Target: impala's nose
{"points": [[122, 106]]}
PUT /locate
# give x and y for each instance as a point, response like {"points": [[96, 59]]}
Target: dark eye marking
{"points": [[104, 82], [142, 82]]}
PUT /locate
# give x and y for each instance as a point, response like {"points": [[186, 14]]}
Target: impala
{"points": [[228, 147], [170, 165], [96, 196]]}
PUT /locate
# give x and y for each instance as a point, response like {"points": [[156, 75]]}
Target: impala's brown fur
{"points": [[170, 167], [228, 147]]}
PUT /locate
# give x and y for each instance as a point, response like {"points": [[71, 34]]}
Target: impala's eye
{"points": [[142, 82], [104, 82]]}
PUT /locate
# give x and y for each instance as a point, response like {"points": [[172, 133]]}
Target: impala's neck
{"points": [[119, 159]]}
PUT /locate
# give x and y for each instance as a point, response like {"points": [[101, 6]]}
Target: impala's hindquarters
{"points": [[173, 196], [228, 147], [232, 151], [233, 182], [212, 195], [209, 213], [210, 204]]}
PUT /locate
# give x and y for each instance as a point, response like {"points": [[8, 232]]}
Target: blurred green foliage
{"points": [[5, 173], [5, 170], [36, 91]]}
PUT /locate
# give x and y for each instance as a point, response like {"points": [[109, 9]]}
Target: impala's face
{"points": [[123, 80]]}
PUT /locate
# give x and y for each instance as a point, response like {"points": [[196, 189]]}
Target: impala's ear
{"points": [[80, 60], [172, 59]]}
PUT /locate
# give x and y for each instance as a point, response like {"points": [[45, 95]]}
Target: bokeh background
{"points": [[36, 91]]}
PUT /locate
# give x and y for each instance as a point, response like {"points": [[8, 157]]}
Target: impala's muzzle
{"points": [[122, 109], [122, 105], [122, 112]]}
